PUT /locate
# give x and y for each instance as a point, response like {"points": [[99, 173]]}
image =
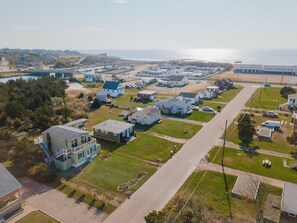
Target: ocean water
{"points": [[256, 56]]}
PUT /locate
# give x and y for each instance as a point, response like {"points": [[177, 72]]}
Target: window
{"points": [[88, 152], [74, 143], [81, 155], [83, 139]]}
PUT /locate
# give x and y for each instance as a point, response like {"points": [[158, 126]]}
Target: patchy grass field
{"points": [[215, 198], [238, 159], [173, 128], [267, 98], [102, 114], [37, 216], [125, 100], [229, 94], [279, 142]]}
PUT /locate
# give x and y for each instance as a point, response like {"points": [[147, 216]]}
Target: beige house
{"points": [[146, 116], [69, 146]]}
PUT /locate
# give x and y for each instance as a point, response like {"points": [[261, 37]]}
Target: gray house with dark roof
{"points": [[10, 199], [174, 106], [188, 96], [113, 88]]}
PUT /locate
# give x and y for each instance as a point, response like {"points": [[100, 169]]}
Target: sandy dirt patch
{"points": [[193, 86], [258, 78]]}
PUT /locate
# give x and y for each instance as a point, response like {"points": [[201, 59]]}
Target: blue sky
{"points": [[148, 24]]}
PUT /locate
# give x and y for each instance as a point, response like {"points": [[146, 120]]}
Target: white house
{"points": [[174, 106], [92, 77], [113, 88], [192, 97], [146, 116], [292, 99], [215, 89], [207, 94], [174, 81]]}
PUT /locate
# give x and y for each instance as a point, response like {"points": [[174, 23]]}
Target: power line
{"points": [[185, 204], [223, 170]]}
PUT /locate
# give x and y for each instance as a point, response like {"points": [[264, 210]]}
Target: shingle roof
{"points": [[8, 183], [176, 77], [289, 201], [188, 94], [150, 111], [113, 85], [64, 132], [75, 122], [113, 126], [265, 132]]}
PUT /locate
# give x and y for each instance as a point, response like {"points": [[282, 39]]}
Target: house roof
{"points": [[8, 182], [246, 187], [289, 201], [175, 77], [147, 92], [75, 122], [113, 85], [101, 93], [188, 94], [265, 132], [174, 101], [64, 132], [113, 126], [150, 111]]}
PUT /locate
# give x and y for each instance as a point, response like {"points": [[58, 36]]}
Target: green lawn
{"points": [[173, 128], [267, 98], [119, 164], [212, 104], [37, 216], [229, 94], [107, 175], [200, 116], [211, 190], [238, 159], [279, 142], [149, 148]]}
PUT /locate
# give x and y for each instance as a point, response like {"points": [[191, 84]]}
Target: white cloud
{"points": [[120, 1], [84, 29]]}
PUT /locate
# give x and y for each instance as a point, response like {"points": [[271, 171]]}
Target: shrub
{"points": [[292, 139], [285, 91], [41, 172]]}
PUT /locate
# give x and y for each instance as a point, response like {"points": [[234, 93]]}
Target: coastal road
{"points": [[162, 186]]}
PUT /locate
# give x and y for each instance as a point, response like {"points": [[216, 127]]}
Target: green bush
{"points": [[42, 173]]}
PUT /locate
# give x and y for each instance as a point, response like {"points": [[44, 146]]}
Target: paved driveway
{"points": [[56, 204], [163, 185]]}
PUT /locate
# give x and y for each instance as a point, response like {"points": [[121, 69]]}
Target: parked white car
{"points": [[194, 108]]}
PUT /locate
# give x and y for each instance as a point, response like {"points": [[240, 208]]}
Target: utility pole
{"points": [[223, 170], [251, 105]]}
